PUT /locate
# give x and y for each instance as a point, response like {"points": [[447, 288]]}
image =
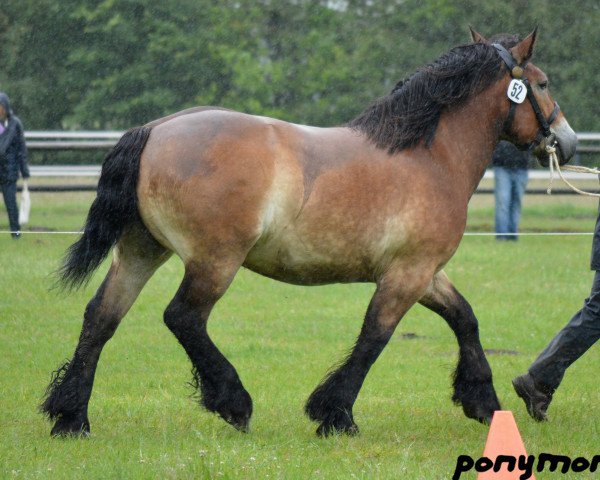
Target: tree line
{"points": [[113, 64]]}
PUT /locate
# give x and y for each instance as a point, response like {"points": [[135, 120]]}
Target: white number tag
{"points": [[517, 92]]}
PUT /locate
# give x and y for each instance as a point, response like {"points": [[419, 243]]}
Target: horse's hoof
{"points": [[478, 400], [71, 427], [240, 424], [238, 419], [480, 413], [337, 423], [327, 429], [232, 403]]}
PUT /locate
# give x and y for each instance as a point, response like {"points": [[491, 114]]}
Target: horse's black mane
{"points": [[411, 112]]}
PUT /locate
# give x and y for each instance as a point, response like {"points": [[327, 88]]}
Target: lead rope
{"points": [[551, 150]]}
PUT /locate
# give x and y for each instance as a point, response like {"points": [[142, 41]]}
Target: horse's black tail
{"points": [[114, 209]]}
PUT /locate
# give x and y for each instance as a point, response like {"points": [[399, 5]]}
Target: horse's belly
{"points": [[302, 265]]}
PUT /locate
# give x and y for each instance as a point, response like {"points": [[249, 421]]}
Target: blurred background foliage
{"points": [[113, 64]]}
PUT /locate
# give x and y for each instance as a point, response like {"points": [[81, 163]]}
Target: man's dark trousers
{"points": [[9, 192], [571, 342]]}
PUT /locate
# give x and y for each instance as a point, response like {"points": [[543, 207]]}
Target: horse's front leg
{"points": [[473, 387], [332, 401]]}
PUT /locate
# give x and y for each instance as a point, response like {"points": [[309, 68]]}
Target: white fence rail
{"points": [[64, 170], [82, 140]]}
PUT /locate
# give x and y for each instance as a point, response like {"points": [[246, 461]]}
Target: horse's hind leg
{"points": [[186, 316], [137, 256], [473, 388]]}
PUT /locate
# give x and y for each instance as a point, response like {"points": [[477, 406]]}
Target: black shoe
{"points": [[16, 235], [537, 398]]}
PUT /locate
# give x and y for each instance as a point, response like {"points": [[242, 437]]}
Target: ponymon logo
{"points": [[525, 464]]}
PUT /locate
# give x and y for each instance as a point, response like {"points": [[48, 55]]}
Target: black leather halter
{"points": [[517, 71]]}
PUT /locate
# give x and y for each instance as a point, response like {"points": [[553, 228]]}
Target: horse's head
{"points": [[533, 118]]}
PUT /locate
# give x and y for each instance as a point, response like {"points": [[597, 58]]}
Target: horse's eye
{"points": [[543, 85]]}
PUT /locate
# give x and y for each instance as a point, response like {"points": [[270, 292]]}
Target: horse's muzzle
{"points": [[565, 142]]}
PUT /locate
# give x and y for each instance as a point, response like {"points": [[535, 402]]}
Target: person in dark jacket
{"points": [[510, 179], [538, 385], [13, 160]]}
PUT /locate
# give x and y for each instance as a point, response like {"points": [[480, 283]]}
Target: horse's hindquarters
{"points": [[202, 185]]}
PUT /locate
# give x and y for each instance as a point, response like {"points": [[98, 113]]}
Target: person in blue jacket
{"points": [[13, 160]]}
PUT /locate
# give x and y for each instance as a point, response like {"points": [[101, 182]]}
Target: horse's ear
{"points": [[476, 36], [523, 50]]}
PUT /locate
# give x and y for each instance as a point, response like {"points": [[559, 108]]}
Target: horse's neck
{"points": [[465, 140]]}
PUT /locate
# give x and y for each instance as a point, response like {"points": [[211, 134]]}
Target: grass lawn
{"points": [[282, 340]]}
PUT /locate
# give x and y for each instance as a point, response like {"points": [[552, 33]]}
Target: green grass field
{"points": [[282, 340]]}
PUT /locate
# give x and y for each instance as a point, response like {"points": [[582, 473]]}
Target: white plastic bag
{"points": [[25, 205]]}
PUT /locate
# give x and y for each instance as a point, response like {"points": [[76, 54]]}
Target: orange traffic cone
{"points": [[503, 439]]}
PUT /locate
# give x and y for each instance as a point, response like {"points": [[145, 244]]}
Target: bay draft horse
{"points": [[381, 199]]}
